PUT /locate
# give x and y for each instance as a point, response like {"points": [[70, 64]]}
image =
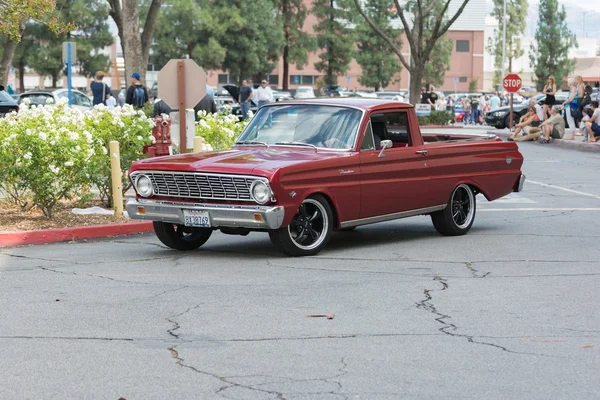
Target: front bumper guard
{"points": [[221, 215], [519, 184]]}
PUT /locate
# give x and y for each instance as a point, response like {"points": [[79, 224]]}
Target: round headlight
{"points": [[260, 192], [143, 185]]}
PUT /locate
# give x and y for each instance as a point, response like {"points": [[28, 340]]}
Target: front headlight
{"points": [[143, 185], [261, 193]]}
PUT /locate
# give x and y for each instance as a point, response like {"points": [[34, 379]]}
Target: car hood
{"points": [[233, 90], [248, 160]]}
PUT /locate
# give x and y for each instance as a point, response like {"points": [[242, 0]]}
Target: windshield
{"points": [[328, 127]]}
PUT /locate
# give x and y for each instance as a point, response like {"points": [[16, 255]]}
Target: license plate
{"points": [[199, 219]]}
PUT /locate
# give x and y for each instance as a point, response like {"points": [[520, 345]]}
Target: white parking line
{"points": [[562, 188], [538, 209]]}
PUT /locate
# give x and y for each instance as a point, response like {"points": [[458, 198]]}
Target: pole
{"points": [[198, 142], [182, 119], [503, 40], [117, 183], [511, 112], [69, 86]]}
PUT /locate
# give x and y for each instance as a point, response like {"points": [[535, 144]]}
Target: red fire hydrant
{"points": [[162, 136]]}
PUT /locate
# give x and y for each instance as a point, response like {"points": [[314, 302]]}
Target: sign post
{"points": [[455, 83], [68, 53], [511, 83], [182, 84]]}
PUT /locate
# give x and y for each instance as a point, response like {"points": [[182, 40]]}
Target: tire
{"points": [[516, 118], [309, 231], [458, 216], [180, 237]]}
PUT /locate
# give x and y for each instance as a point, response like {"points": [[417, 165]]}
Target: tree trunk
{"points": [[7, 56], [416, 77], [21, 70], [132, 43], [286, 65]]}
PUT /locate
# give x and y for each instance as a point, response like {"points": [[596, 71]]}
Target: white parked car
{"points": [[52, 96], [305, 92]]}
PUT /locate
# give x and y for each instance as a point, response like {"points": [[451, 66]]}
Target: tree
{"points": [[334, 38], [516, 22], [252, 44], [191, 29], [378, 62], [136, 46], [296, 43], [549, 54], [473, 85], [91, 36], [420, 47]]}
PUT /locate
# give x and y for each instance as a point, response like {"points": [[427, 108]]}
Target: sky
{"points": [[592, 5]]}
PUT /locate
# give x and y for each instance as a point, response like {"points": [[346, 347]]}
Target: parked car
{"points": [[305, 92], [52, 96], [7, 103], [500, 117], [234, 91], [280, 95], [302, 169], [390, 95]]}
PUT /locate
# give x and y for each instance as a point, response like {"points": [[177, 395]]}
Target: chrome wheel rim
{"points": [[309, 227], [463, 206]]}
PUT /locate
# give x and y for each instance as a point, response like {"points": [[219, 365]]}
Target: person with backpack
{"points": [[137, 94], [99, 89]]}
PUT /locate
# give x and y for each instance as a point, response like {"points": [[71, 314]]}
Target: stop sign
{"points": [[512, 83], [194, 82]]}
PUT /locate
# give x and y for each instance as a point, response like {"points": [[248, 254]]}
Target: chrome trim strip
{"points": [[231, 216], [389, 217]]}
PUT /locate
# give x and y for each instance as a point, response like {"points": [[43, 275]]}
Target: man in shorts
{"points": [[553, 127], [592, 125]]}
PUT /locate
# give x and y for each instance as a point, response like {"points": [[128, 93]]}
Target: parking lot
{"points": [[508, 311]]}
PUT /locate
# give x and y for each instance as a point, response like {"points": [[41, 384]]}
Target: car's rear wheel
{"points": [[309, 230], [516, 118], [458, 216], [181, 237]]}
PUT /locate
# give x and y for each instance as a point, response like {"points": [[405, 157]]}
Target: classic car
{"points": [[302, 169]]}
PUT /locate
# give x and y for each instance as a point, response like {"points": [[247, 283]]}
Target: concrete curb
{"points": [[43, 236], [572, 144], [440, 126]]}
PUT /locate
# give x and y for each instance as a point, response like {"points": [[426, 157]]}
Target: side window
{"points": [[392, 126], [367, 142]]}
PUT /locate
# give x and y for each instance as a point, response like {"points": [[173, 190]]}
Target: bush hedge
{"points": [[437, 118]]}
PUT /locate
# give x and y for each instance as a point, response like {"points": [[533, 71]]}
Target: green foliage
{"points": [[439, 62], [473, 85], [437, 118], [91, 36], [378, 62], [16, 12], [193, 29], [550, 53], [334, 38], [219, 130], [253, 38], [54, 153], [516, 22]]}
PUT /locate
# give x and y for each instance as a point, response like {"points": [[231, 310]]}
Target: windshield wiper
{"points": [[251, 142], [297, 144]]}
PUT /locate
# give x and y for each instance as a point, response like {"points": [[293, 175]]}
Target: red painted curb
{"points": [[20, 238]]}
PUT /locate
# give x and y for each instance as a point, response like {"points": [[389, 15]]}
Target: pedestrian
{"points": [[206, 104], [432, 98], [481, 105], [572, 107], [494, 101], [264, 94], [592, 125], [99, 89], [553, 127], [466, 104], [111, 102], [137, 94], [424, 96], [244, 99], [550, 91]]}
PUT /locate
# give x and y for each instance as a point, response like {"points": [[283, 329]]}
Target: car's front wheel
{"points": [[458, 216], [181, 237], [309, 230]]}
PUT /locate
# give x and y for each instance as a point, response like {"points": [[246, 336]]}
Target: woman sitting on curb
{"points": [[592, 124]]}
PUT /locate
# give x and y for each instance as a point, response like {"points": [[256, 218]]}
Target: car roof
{"points": [[364, 103]]}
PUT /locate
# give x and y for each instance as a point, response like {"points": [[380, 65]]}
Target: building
{"points": [[466, 63]]}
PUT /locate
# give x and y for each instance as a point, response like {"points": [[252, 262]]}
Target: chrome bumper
{"points": [[221, 215], [519, 186]]}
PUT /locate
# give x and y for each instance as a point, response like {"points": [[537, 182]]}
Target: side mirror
{"points": [[384, 144]]}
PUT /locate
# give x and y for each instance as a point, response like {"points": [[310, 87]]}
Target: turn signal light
{"points": [[258, 217], [141, 210]]}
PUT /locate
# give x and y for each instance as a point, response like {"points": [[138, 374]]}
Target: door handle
{"points": [[423, 152]]}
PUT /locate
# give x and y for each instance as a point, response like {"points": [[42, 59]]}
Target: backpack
{"points": [[138, 96], [586, 98], [475, 101]]}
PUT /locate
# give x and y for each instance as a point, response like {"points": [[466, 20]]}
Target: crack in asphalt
{"points": [[94, 276], [449, 328], [474, 271]]}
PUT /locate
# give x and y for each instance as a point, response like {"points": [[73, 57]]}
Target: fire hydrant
{"points": [[162, 137]]}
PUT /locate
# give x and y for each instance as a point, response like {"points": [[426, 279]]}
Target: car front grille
{"points": [[199, 186]]}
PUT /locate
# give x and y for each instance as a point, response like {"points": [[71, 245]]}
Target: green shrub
{"points": [[219, 130], [437, 118]]}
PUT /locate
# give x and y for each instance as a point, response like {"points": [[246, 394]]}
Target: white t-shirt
{"points": [[539, 112], [482, 103], [111, 103], [596, 116], [264, 94]]}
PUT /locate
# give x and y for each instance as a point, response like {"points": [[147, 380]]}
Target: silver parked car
{"points": [[52, 96]]}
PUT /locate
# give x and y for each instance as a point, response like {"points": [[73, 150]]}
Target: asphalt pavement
{"points": [[509, 311]]}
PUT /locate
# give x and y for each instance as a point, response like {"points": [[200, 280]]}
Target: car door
{"points": [[397, 180]]}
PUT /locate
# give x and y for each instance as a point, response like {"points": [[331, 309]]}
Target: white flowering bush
{"points": [[44, 155], [130, 127], [53, 153], [219, 130]]}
